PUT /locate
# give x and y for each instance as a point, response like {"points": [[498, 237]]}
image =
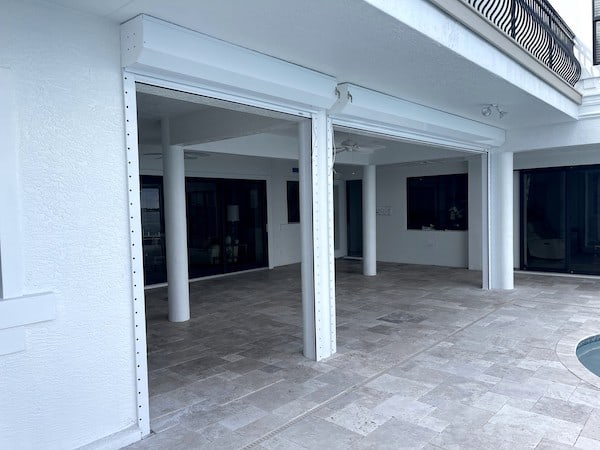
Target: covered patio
{"points": [[426, 359]]}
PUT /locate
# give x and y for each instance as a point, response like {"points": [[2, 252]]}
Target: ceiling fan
{"points": [[186, 155], [348, 145]]}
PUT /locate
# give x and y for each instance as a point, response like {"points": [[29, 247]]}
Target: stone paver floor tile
{"points": [[426, 359]]}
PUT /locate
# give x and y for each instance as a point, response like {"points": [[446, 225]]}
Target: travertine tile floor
{"points": [[426, 359]]}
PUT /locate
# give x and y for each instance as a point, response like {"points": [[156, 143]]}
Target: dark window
{"points": [[293, 201], [437, 202]]}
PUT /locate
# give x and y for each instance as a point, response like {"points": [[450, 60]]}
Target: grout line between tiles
{"points": [[251, 393], [354, 387]]}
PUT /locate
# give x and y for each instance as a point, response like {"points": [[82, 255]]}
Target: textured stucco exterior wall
{"points": [[74, 384]]}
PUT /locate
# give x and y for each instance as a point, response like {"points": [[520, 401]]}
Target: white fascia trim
{"points": [[28, 309], [590, 104], [16, 313], [150, 46], [359, 107]]}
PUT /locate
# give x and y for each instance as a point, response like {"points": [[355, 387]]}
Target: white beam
{"points": [[323, 242], [362, 108], [215, 124], [261, 145], [152, 46], [567, 134], [369, 202], [175, 228], [306, 238]]}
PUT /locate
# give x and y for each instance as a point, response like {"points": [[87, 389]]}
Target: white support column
{"points": [[476, 196], [369, 202], [175, 228], [306, 238], [501, 221], [485, 221], [324, 259]]}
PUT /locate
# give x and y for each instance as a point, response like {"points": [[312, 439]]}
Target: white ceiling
{"points": [[154, 103], [352, 41]]}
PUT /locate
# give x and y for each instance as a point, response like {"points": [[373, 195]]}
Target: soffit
{"points": [[352, 41]]}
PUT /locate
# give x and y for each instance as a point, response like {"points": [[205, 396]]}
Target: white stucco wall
{"points": [[395, 243], [284, 237], [74, 384]]}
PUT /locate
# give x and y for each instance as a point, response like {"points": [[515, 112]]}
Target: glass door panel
{"points": [[205, 238], [153, 235], [354, 219], [245, 241], [584, 220], [543, 233]]}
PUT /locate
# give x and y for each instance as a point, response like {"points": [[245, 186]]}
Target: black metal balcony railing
{"points": [[538, 28]]}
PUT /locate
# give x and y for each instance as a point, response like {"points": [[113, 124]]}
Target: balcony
{"points": [[537, 27]]}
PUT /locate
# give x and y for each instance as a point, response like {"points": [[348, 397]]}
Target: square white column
{"points": [[501, 271], [369, 201]]}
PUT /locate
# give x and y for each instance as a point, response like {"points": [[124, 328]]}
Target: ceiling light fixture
{"points": [[489, 109]]}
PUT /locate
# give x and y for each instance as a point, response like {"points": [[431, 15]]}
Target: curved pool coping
{"points": [[566, 350]]}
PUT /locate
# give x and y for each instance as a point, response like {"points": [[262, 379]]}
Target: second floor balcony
{"points": [[536, 27]]}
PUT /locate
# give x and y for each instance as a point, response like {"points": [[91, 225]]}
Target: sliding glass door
{"points": [[584, 220], [153, 230], [354, 217], [205, 227], [245, 242], [543, 232], [560, 219], [226, 224]]}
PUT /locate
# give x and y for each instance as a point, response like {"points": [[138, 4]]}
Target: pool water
{"points": [[588, 352]]}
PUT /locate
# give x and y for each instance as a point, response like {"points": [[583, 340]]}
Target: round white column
{"points": [[306, 238], [501, 221], [369, 201], [175, 228]]}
